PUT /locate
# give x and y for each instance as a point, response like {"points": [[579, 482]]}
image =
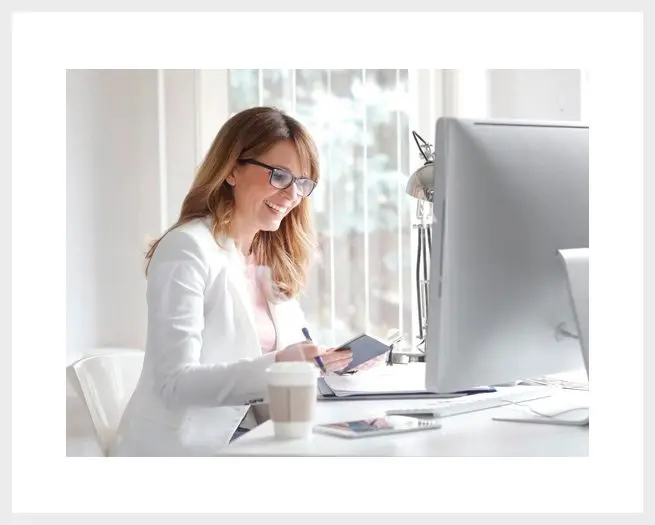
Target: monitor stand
{"points": [[579, 418], [576, 267]]}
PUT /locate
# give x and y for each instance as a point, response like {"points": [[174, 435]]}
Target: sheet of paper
{"points": [[396, 378]]}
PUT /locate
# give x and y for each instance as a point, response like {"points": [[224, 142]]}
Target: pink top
{"points": [[263, 320]]}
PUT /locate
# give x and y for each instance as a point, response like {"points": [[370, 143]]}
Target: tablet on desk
{"points": [[377, 426], [364, 348]]}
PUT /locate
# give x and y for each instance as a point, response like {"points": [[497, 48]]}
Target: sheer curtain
{"points": [[360, 122]]}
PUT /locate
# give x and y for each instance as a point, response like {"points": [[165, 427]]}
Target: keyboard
{"points": [[559, 383], [472, 403]]}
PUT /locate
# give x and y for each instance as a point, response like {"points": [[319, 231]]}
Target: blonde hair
{"points": [[248, 134]]}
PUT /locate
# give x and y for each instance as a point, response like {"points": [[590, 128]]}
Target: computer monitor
{"points": [[508, 196]]}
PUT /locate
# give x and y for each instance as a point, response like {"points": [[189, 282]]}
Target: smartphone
{"points": [[377, 426]]}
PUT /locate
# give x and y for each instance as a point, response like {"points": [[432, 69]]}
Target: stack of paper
{"points": [[379, 382]]}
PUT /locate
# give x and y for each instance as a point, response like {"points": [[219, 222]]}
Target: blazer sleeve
{"points": [[176, 283]]}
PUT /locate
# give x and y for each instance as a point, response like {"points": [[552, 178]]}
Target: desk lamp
{"points": [[421, 186]]}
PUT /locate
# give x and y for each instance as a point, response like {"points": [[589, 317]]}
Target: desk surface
{"points": [[472, 434]]}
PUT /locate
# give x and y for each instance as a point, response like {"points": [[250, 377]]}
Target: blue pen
{"points": [[318, 359]]}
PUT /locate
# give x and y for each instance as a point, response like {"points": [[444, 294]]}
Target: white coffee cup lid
{"points": [[292, 373]]}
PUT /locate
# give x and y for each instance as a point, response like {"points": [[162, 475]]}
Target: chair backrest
{"points": [[106, 381]]}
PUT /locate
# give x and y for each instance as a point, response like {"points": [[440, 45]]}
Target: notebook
{"points": [[364, 348]]}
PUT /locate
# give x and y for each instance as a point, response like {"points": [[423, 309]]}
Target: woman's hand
{"points": [[333, 360], [372, 362]]}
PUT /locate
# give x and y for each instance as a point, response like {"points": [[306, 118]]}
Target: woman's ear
{"points": [[232, 178]]}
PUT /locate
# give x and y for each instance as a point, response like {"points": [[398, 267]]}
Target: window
{"points": [[360, 120]]}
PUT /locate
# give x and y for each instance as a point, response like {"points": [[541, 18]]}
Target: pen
{"points": [[318, 359]]}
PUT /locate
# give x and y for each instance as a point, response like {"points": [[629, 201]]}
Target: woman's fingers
{"points": [[337, 366], [305, 351], [335, 360], [372, 362], [332, 354]]}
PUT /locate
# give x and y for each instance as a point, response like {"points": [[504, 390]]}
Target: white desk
{"points": [[473, 434]]}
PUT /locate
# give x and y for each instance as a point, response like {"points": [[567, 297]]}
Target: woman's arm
{"points": [[177, 278]]}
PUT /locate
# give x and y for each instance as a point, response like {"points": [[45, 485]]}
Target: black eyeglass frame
{"points": [[273, 169]]}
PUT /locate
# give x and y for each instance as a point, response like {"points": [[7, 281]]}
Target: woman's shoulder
{"points": [[198, 230], [193, 240]]}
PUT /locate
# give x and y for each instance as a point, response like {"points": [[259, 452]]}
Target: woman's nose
{"points": [[292, 192]]}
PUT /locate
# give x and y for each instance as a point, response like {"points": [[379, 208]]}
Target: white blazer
{"points": [[203, 364]]}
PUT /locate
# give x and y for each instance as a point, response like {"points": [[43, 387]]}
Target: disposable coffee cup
{"points": [[292, 398]]}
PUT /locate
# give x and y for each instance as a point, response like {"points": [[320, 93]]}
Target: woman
{"points": [[221, 288]]}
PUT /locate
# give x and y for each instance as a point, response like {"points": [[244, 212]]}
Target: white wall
{"points": [[542, 94], [120, 193], [83, 116], [181, 137], [549, 94]]}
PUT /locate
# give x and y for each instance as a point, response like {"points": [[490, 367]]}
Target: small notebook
{"points": [[364, 348]]}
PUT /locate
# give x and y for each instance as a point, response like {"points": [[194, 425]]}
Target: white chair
{"points": [[105, 381]]}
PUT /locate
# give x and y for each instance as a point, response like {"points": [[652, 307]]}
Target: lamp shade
{"points": [[421, 183]]}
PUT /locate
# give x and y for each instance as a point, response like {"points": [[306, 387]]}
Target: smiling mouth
{"points": [[278, 209]]}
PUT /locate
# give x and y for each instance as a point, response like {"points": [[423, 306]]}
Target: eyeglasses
{"points": [[282, 179]]}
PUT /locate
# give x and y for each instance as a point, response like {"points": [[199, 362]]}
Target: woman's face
{"points": [[258, 205]]}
